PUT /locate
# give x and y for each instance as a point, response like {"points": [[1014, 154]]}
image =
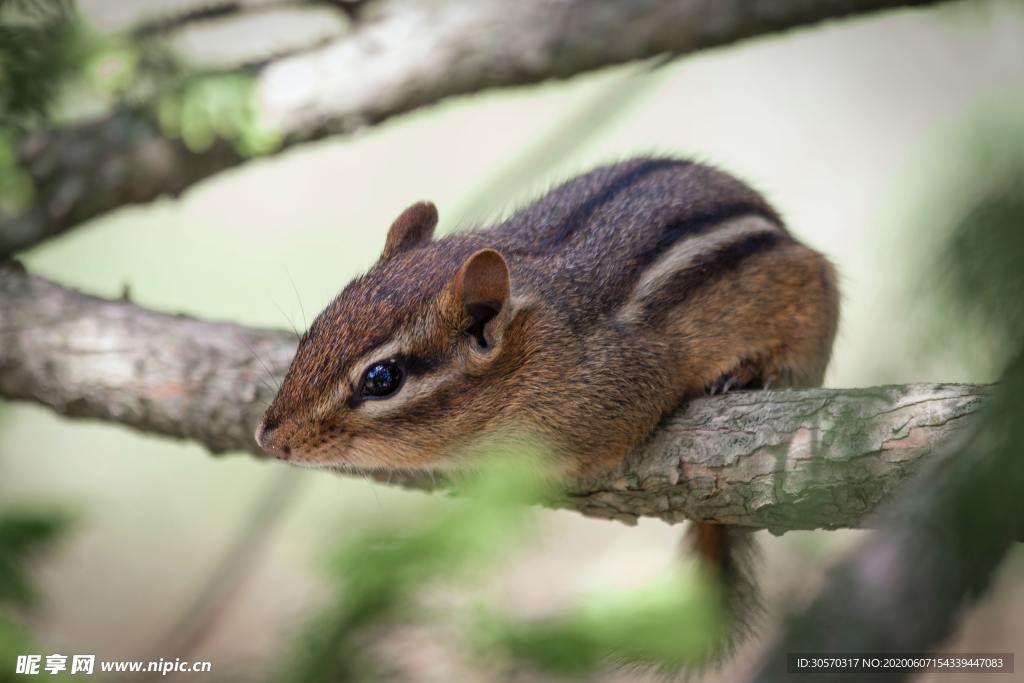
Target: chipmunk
{"points": [[585, 318]]}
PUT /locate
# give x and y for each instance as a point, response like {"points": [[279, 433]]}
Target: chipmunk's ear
{"points": [[481, 290], [415, 226]]}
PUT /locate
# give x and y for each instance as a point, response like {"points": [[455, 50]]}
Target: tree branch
{"points": [[933, 552], [407, 54], [782, 459]]}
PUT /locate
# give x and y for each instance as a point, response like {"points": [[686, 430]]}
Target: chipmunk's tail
{"points": [[730, 554]]}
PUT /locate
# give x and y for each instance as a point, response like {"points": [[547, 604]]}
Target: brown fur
{"points": [[537, 325]]}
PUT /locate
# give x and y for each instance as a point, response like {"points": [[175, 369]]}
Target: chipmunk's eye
{"points": [[382, 379]]}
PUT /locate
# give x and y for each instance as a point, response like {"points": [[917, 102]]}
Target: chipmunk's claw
{"points": [[721, 385]]}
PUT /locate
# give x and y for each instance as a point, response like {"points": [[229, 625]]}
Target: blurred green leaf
{"points": [[41, 47], [982, 260], [16, 187], [677, 621], [13, 643], [380, 569], [207, 107], [969, 238], [23, 535], [672, 623], [113, 66]]}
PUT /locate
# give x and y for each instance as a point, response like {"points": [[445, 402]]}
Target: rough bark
{"points": [[782, 459], [933, 552], [403, 55]]}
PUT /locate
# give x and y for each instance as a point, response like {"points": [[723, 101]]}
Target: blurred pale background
{"points": [[842, 127]]}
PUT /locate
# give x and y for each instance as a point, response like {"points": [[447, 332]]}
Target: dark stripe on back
{"points": [[702, 223], [714, 265], [581, 215]]}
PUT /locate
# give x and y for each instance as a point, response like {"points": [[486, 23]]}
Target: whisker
{"points": [[266, 385], [273, 380], [305, 323], [291, 323], [264, 402]]}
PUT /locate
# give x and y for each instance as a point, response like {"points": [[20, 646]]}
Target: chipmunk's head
{"points": [[404, 363]]}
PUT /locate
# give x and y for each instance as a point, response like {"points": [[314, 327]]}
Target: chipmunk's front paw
{"points": [[743, 376]]}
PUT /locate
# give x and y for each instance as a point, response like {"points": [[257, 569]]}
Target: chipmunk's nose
{"points": [[271, 440]]}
